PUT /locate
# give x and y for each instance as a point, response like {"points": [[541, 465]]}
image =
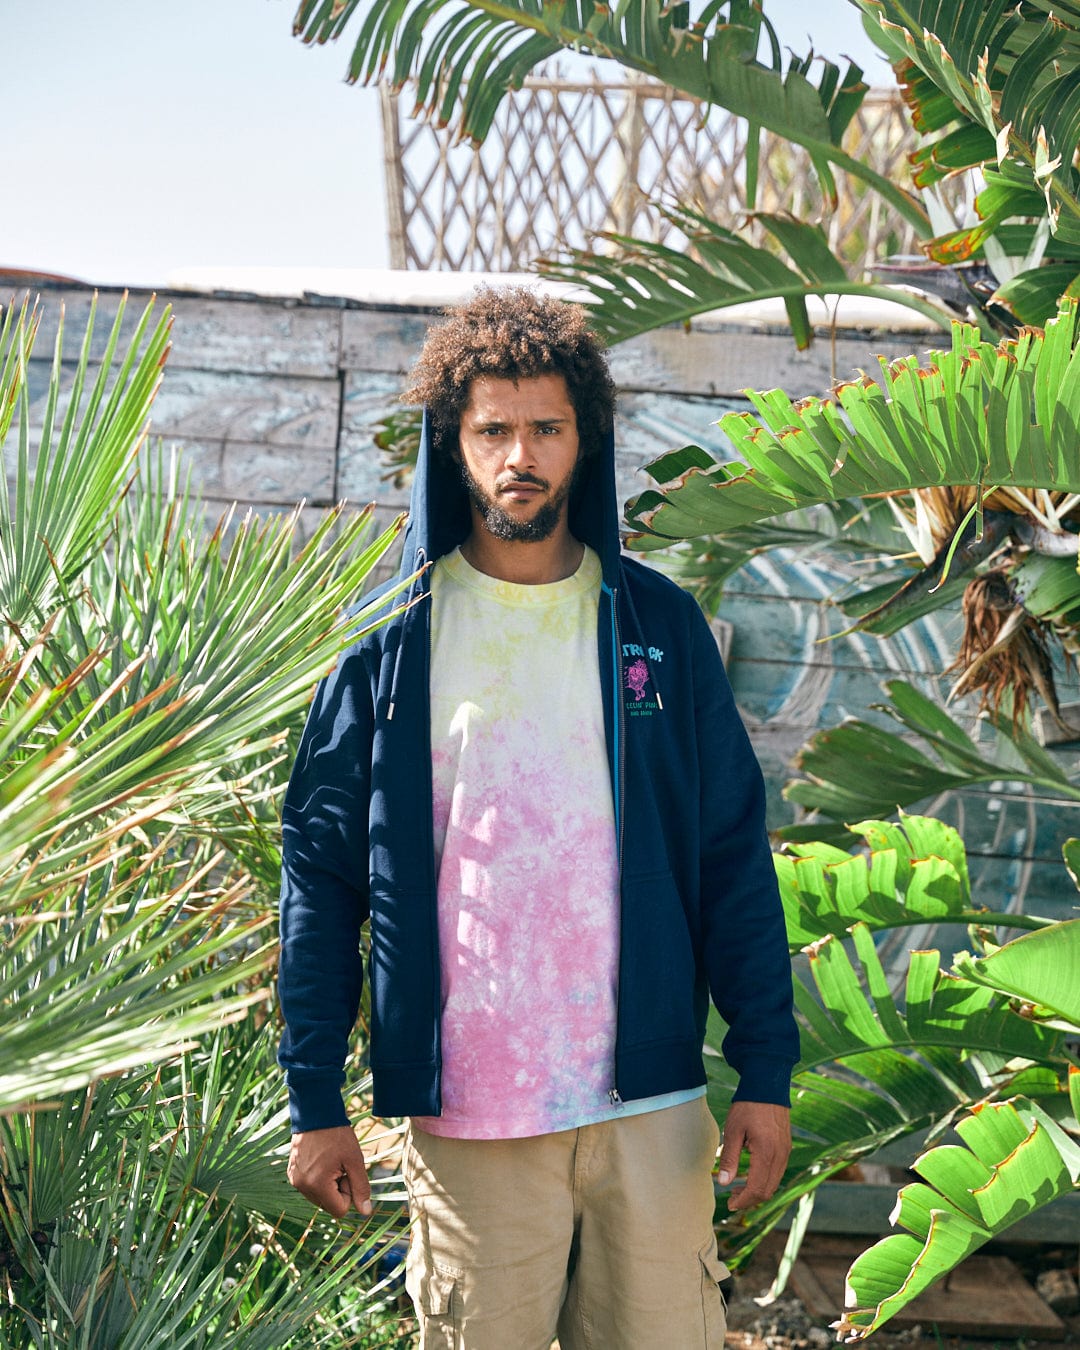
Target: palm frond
{"points": [[859, 769], [975, 415], [466, 57], [1003, 84], [639, 285], [66, 488]]}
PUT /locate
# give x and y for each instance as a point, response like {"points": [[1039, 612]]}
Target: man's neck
{"points": [[536, 563]]}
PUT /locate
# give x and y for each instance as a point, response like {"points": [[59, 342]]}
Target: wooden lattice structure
{"points": [[567, 158]]}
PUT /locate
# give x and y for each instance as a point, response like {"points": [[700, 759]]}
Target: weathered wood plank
{"points": [[256, 337], [725, 361], [206, 405], [252, 471], [384, 341], [362, 476], [983, 1296]]}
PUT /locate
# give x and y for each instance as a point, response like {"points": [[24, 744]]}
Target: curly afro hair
{"points": [[512, 333]]}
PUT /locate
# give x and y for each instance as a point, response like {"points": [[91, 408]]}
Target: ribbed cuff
{"points": [[315, 1103], [765, 1080]]}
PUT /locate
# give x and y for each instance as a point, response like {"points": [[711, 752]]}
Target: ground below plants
{"points": [[787, 1324]]}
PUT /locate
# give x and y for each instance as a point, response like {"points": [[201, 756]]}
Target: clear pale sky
{"points": [[143, 136]]}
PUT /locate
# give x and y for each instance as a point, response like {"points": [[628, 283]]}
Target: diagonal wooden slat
{"points": [[566, 159]]}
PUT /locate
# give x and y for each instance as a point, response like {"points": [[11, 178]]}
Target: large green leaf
{"points": [[874, 1072], [1015, 1160], [859, 769], [977, 414], [1038, 969], [915, 873], [472, 54], [638, 285]]}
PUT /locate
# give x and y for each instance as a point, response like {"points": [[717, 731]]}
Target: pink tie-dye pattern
{"points": [[528, 870]]}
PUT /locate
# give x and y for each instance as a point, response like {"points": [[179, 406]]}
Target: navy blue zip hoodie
{"points": [[700, 913]]}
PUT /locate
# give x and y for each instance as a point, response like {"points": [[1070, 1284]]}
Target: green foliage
{"points": [[989, 85], [465, 58], [976, 414], [859, 766], [152, 1211], [886, 1060], [152, 674], [639, 285]]}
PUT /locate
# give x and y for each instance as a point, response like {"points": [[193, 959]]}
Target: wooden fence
{"points": [[566, 159]]}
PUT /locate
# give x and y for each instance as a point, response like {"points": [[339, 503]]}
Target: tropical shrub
{"points": [[152, 679], [890, 1056]]}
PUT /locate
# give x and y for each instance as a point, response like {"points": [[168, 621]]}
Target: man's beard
{"points": [[510, 529]]}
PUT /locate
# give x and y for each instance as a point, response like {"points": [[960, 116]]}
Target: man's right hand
{"points": [[327, 1166]]}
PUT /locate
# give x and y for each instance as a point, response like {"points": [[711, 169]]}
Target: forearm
{"points": [[744, 935], [320, 979]]}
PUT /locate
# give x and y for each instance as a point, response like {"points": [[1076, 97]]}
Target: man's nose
{"points": [[519, 452]]}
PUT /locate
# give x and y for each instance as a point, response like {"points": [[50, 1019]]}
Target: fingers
{"points": [[734, 1141], [327, 1168], [357, 1184], [765, 1130]]}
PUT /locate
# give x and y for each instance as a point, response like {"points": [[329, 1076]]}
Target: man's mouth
{"points": [[522, 487]]}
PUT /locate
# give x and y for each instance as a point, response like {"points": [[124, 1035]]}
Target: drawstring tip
{"points": [[390, 713], [659, 701]]}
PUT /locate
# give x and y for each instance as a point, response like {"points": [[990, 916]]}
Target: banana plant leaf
{"points": [[1071, 853], [915, 873], [1038, 969], [874, 1071], [859, 769], [639, 285], [1015, 1159], [978, 414], [465, 57], [878, 1067]]}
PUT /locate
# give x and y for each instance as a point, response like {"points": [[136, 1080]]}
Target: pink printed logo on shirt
{"points": [[637, 677]]}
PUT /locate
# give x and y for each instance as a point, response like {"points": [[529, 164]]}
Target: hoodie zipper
{"points": [[620, 802]]}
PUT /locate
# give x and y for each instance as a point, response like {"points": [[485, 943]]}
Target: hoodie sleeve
{"points": [[324, 895], [745, 939]]}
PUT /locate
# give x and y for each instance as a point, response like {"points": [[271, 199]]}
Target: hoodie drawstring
{"points": [[406, 624]]}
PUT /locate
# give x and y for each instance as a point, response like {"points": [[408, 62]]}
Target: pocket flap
{"points": [[437, 1290], [714, 1267]]}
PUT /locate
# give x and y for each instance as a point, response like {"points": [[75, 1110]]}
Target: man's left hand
{"points": [[765, 1130]]}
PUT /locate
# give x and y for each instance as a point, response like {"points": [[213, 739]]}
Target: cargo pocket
{"points": [[433, 1290], [713, 1305]]}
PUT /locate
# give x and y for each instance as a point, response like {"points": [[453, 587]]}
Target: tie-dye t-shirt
{"points": [[528, 893]]}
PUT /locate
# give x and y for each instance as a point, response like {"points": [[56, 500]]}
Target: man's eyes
{"points": [[552, 430]]}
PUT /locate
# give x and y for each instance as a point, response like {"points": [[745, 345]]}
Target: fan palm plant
{"points": [[152, 676]]}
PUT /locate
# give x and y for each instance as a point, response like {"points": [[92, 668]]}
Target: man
{"points": [[535, 783]]}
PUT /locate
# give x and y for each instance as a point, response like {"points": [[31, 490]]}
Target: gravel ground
{"points": [[786, 1324]]}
